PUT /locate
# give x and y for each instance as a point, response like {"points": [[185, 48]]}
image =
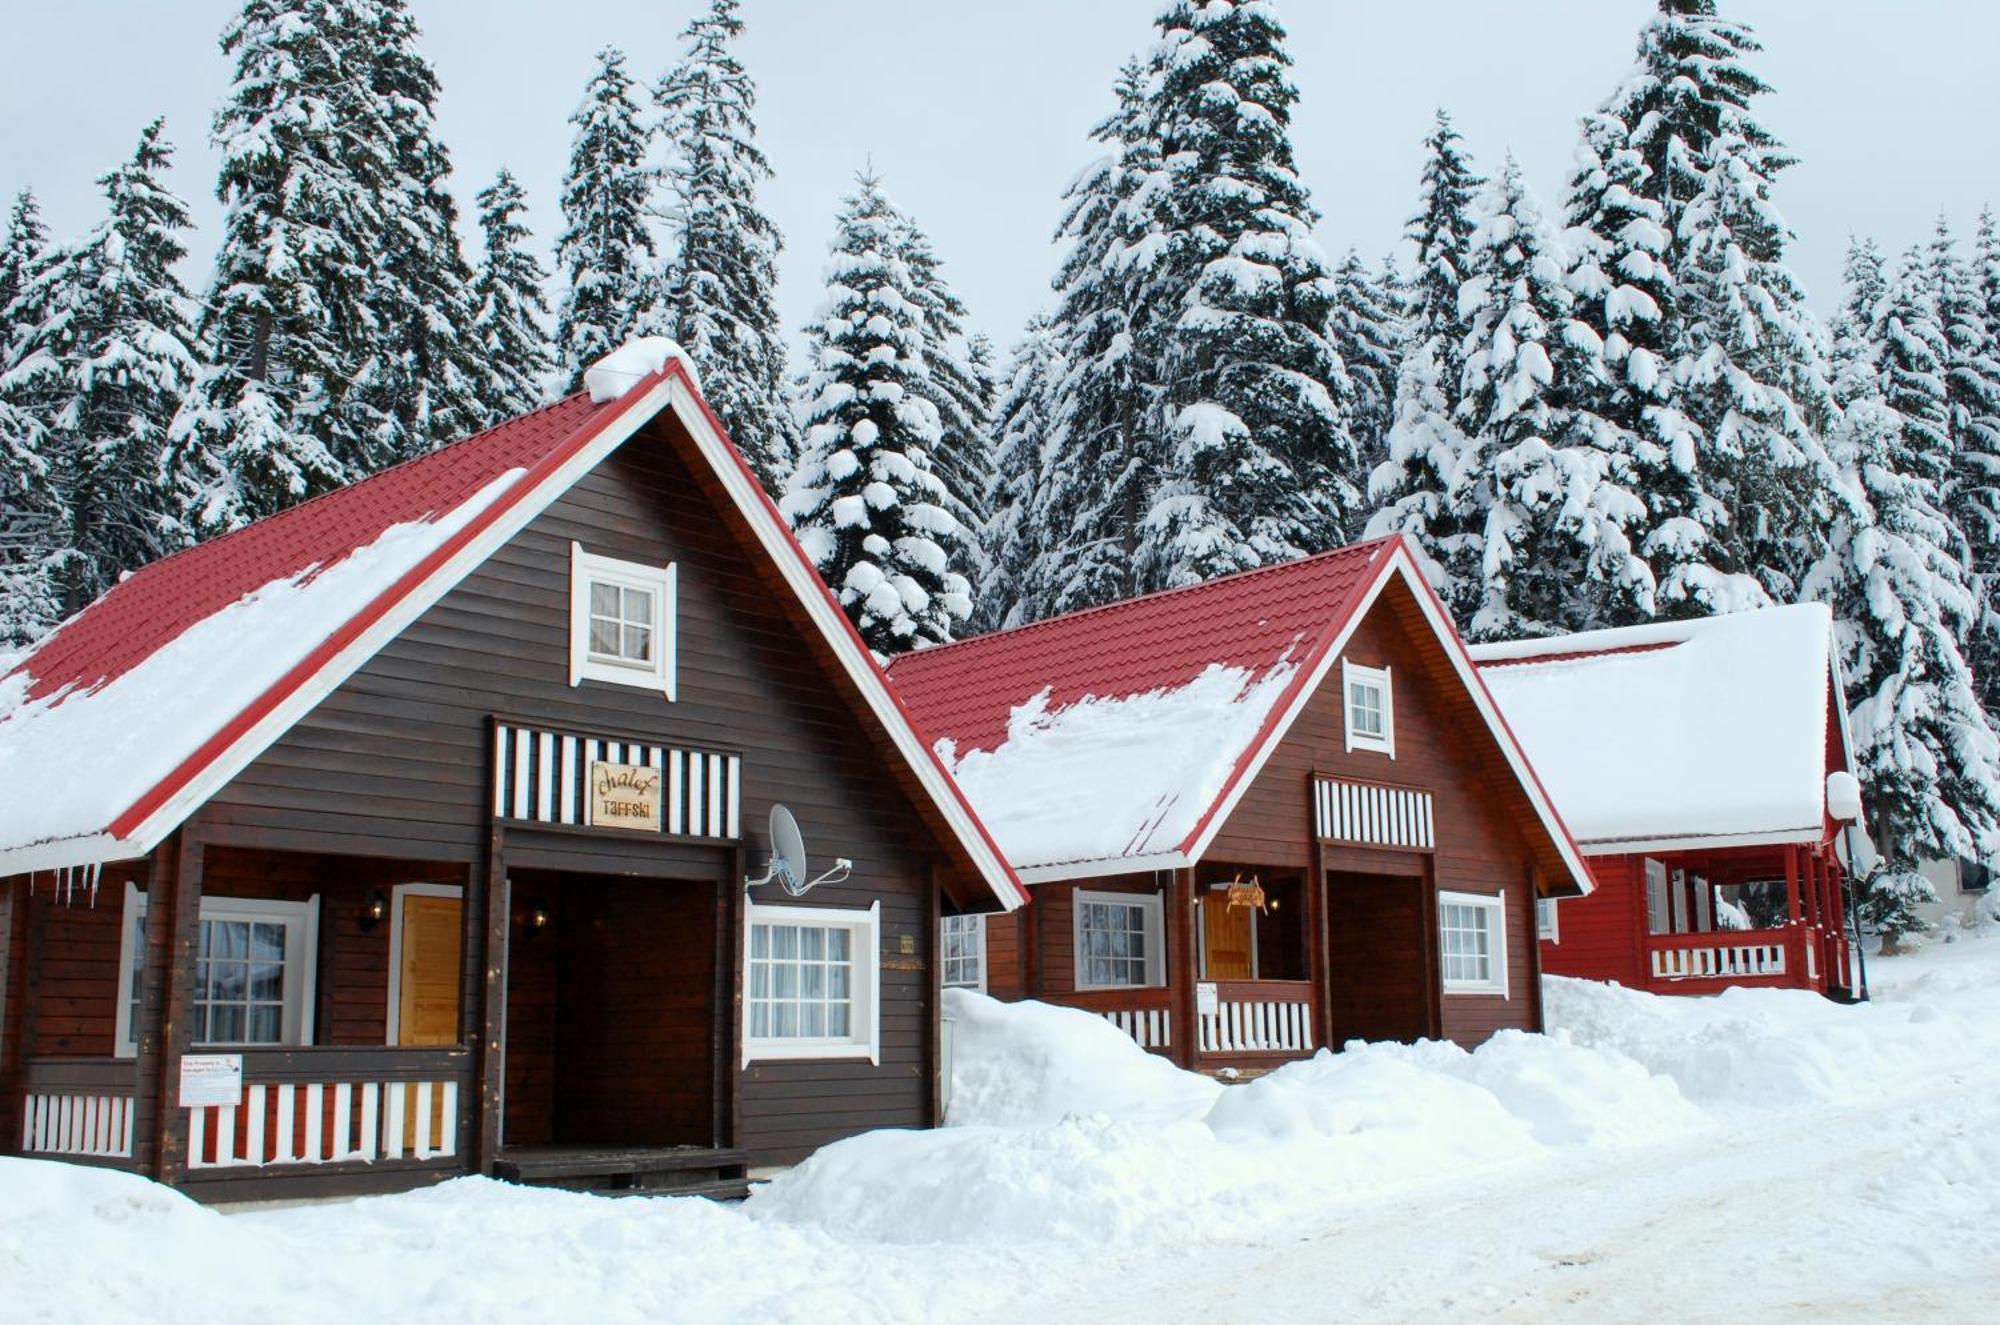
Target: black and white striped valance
{"points": [[1372, 815], [541, 776]]}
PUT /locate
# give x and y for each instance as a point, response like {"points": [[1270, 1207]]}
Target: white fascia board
{"points": [[784, 552], [72, 853], [1102, 869], [1699, 842]]}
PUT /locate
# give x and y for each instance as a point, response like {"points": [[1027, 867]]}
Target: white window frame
{"points": [[976, 925], [1353, 675], [1548, 920], [396, 896], [864, 1039], [301, 956], [1495, 907], [587, 568], [1154, 928]]}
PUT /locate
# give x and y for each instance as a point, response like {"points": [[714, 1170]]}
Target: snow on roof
{"points": [[1671, 731], [140, 707], [1108, 735]]}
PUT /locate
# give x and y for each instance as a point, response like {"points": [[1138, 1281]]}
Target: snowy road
{"points": [[1762, 1156]]}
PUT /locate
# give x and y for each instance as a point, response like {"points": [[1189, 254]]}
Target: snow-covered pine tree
{"points": [[283, 333], [510, 312], [1975, 490], [1550, 490], [30, 515], [1023, 425], [1099, 458], [20, 249], [1626, 295], [1927, 756], [963, 460], [423, 384], [1427, 452], [105, 372], [605, 255], [1366, 330], [1751, 358], [719, 285], [867, 506], [1262, 466]]}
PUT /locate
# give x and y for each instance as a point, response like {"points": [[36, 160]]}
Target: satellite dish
{"points": [[788, 858]]}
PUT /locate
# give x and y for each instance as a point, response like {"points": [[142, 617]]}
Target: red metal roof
{"points": [[154, 605], [1252, 620]]}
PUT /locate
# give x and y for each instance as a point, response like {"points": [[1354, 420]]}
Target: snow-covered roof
{"points": [[138, 709], [1712, 731], [1119, 738]]}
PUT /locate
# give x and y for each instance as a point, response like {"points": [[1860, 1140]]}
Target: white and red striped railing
{"points": [[333, 1106], [1259, 1017], [1150, 1028], [1729, 955], [78, 1107]]}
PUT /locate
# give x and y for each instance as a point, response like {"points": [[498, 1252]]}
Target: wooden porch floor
{"points": [[711, 1171]]}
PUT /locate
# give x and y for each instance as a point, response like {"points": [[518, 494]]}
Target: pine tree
{"points": [[1925, 751], [864, 499], [1975, 490], [20, 249], [510, 313], [1427, 452], [1090, 495], [423, 382], [1628, 297], [1260, 465], [285, 329], [1366, 331], [606, 253], [30, 516], [1550, 491], [719, 285], [1971, 367], [105, 373], [1024, 421]]}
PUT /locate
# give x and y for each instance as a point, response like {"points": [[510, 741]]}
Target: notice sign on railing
{"points": [[211, 1079], [624, 796]]}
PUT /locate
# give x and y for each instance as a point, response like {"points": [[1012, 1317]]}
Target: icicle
{"points": [[96, 871]]}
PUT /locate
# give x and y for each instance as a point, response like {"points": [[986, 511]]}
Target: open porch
{"points": [[1771, 916]]}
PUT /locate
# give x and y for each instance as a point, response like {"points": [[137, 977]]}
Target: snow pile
{"points": [[1730, 711], [118, 740], [1115, 776], [630, 364], [1020, 1064], [1755, 1049]]}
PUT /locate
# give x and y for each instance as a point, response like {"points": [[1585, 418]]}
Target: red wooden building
{"points": [[1258, 816], [405, 834], [1692, 761]]}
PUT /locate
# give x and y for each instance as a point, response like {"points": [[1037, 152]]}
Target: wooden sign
{"points": [[1250, 894], [209, 1079], [624, 796]]}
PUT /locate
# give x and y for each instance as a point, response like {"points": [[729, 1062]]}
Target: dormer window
{"points": [[621, 622], [1371, 713]]}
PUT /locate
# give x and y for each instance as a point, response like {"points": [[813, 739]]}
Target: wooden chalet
{"points": [[406, 834], [1693, 760], [1266, 814]]}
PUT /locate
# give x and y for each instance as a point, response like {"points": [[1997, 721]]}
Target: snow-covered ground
{"points": [[1761, 1155]]}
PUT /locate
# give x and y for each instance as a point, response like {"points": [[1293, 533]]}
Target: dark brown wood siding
{"points": [[1482, 826], [395, 762]]}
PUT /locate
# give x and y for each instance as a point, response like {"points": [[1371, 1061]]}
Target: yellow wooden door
{"points": [[427, 996], [1225, 932]]}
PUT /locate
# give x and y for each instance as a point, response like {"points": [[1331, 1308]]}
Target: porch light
{"points": [[537, 918], [374, 911]]}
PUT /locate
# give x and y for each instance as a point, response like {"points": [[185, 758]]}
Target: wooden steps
{"points": [[709, 1171]]}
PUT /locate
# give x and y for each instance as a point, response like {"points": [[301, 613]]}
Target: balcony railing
{"points": [[1258, 1017], [1730, 954], [78, 1106], [319, 1106], [1145, 1014]]}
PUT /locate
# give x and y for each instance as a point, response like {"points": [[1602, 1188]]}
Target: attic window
{"points": [[1371, 715], [621, 622]]}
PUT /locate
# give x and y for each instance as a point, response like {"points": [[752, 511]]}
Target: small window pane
{"points": [[638, 646], [603, 599]]}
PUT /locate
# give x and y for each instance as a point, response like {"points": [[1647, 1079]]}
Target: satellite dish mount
{"points": [[787, 867]]}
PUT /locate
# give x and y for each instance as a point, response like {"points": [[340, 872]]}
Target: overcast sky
{"points": [[976, 113]]}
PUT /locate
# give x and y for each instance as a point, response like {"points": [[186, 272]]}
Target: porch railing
{"points": [[1733, 954], [1144, 1014], [78, 1106], [1258, 1017], [334, 1106]]}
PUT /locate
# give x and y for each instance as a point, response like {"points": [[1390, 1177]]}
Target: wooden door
{"points": [[427, 983], [1226, 941]]}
